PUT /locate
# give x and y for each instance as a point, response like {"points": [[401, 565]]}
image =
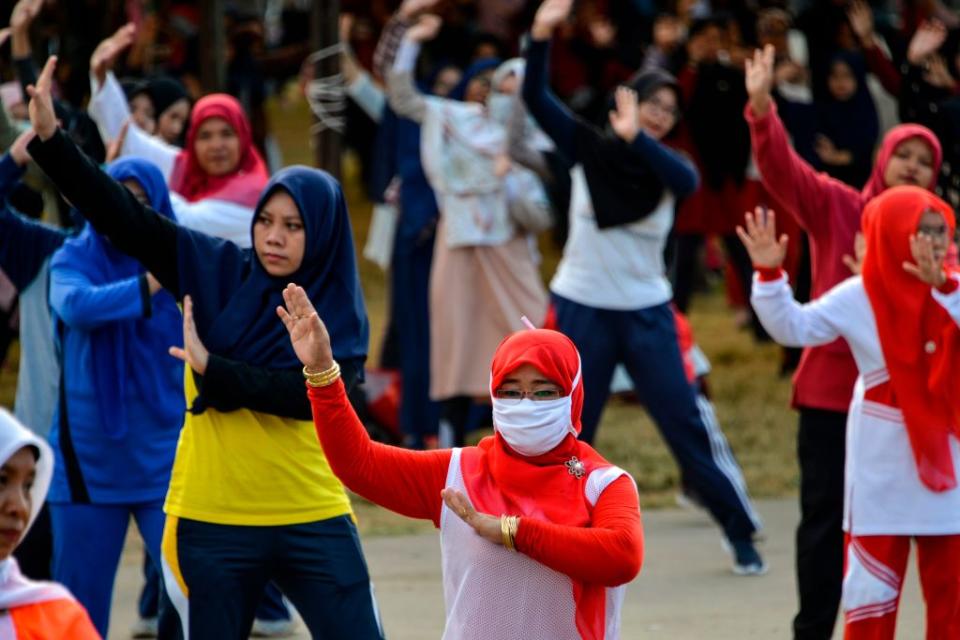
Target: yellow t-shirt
{"points": [[250, 468]]}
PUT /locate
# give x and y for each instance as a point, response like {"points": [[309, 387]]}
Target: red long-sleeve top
{"points": [[829, 211], [609, 552]]}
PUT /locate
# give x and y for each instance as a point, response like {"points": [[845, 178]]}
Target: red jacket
{"points": [[829, 211]]}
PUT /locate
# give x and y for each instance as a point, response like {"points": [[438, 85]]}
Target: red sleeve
{"points": [[408, 482], [769, 274], [794, 184], [949, 285], [882, 67], [609, 552]]}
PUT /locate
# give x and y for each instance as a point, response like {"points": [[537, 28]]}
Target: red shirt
{"points": [[829, 211], [609, 552]]}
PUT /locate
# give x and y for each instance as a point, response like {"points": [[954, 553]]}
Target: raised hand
{"points": [[855, 262], [760, 239], [860, 16], [115, 146], [549, 16], [929, 37], [308, 335], [938, 74], [42, 116], [625, 118], [193, 351], [929, 264], [829, 153], [412, 8], [486, 526], [759, 79], [105, 55], [426, 28], [23, 14], [18, 150]]}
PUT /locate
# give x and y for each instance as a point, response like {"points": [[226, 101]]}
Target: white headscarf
{"points": [[16, 590]]}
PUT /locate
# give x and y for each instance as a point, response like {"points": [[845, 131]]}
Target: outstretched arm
{"points": [[552, 115], [402, 91], [795, 185], [787, 321], [408, 482], [112, 209]]}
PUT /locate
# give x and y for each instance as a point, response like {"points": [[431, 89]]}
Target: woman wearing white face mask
{"points": [[539, 532]]}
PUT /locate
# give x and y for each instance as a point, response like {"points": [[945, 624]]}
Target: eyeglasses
{"points": [[666, 109], [516, 395], [934, 231]]}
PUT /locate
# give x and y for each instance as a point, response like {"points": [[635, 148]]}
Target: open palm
{"points": [[308, 335], [760, 238]]}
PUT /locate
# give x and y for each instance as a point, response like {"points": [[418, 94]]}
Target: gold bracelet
{"points": [[505, 533], [508, 531], [514, 522], [322, 378]]}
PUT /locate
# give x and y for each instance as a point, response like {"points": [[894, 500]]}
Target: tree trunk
{"points": [[213, 45], [325, 34]]}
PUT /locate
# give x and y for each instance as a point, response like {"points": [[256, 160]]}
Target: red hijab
{"points": [[244, 185], [501, 481], [911, 324], [900, 133]]}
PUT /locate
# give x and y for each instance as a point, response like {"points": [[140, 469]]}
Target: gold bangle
{"points": [[508, 531], [322, 378], [514, 522], [505, 533]]}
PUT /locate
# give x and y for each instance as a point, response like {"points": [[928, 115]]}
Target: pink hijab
{"points": [[244, 185], [876, 184]]}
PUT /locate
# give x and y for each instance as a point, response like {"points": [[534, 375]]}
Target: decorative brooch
{"points": [[575, 467]]}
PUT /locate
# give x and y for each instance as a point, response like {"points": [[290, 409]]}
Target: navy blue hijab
{"points": [[482, 65], [852, 124], [235, 299], [130, 351]]}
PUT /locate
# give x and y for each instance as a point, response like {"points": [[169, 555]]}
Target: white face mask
{"points": [[531, 427]]}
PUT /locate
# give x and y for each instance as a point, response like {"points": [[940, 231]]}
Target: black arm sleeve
{"points": [[26, 72], [135, 229], [228, 385]]}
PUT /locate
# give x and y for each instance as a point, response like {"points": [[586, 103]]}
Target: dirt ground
{"points": [[684, 591]]}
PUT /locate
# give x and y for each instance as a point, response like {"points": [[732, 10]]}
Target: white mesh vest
{"points": [[491, 592]]}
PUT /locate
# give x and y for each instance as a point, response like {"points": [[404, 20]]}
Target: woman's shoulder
{"points": [[60, 618]]}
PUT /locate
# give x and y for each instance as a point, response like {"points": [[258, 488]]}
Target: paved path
{"points": [[685, 590]]}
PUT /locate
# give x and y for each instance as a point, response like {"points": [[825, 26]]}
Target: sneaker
{"points": [[273, 628], [144, 628], [746, 558]]}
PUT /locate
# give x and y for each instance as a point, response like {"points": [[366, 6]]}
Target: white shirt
{"points": [[618, 268], [491, 592], [883, 493]]}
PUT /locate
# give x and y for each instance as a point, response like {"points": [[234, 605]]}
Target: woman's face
{"points": [[841, 82], [171, 122], [217, 147], [278, 235], [478, 88], [910, 164], [16, 480], [658, 114], [446, 80], [141, 112], [527, 381], [509, 85], [935, 227]]}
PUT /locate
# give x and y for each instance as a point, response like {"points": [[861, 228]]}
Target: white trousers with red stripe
{"points": [[873, 577]]}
